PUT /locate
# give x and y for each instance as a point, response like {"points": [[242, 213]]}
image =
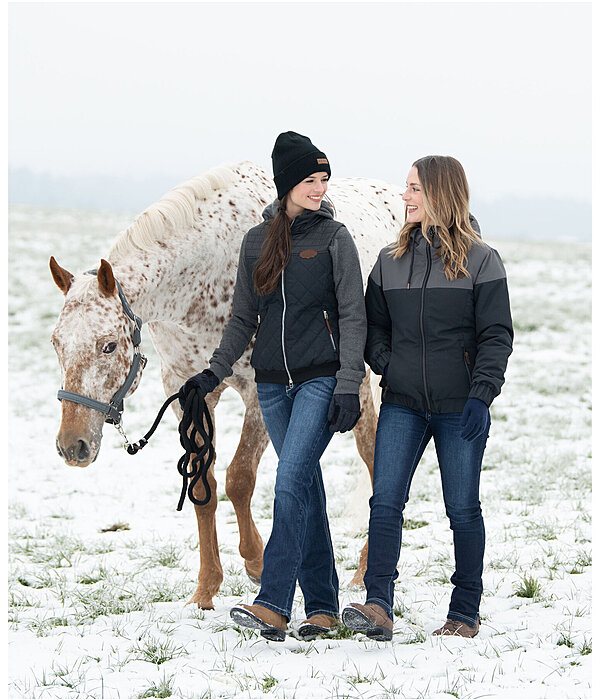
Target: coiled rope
{"points": [[196, 435]]}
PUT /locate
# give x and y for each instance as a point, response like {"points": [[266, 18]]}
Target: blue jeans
{"points": [[299, 548], [402, 435]]}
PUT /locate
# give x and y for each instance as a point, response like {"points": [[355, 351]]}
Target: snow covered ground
{"points": [[97, 614]]}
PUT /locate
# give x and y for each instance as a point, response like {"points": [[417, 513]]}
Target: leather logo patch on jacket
{"points": [[308, 253]]}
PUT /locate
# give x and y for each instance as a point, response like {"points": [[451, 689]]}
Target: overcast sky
{"points": [[149, 89]]}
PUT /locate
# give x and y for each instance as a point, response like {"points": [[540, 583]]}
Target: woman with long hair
{"points": [[440, 334], [299, 289]]}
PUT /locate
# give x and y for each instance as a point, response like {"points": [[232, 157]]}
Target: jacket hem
{"points": [[298, 375], [454, 405]]}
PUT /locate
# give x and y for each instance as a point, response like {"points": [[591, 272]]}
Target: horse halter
{"points": [[114, 409]]}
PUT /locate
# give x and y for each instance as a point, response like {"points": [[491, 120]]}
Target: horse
{"points": [[176, 265]]}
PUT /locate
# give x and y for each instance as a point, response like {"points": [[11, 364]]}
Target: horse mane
{"points": [[174, 210]]}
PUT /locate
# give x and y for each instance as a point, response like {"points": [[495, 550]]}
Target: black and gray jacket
{"points": [[438, 342], [314, 324]]}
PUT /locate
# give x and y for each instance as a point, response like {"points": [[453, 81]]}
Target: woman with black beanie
{"points": [[299, 288]]}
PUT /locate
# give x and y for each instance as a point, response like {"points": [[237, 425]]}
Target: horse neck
{"points": [[161, 285]]}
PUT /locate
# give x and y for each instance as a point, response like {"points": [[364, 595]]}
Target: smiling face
{"points": [[307, 194], [413, 197]]}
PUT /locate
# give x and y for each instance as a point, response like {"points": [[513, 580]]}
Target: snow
{"points": [[103, 615]]}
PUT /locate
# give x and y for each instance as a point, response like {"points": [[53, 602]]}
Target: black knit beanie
{"points": [[294, 158]]}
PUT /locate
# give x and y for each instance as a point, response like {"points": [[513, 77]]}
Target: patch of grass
{"points": [[418, 636], [68, 677], [164, 689], [44, 627], [105, 600], [528, 588], [414, 524], [156, 651], [268, 683], [166, 592], [586, 647], [168, 555], [340, 631], [99, 574], [443, 577], [563, 640], [400, 609]]}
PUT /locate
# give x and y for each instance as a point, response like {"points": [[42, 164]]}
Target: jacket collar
{"points": [[302, 221]]}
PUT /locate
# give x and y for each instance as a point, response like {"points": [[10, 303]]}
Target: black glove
{"points": [[344, 412], [475, 419], [202, 383]]}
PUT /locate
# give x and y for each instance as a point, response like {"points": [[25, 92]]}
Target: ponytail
{"points": [[275, 252]]}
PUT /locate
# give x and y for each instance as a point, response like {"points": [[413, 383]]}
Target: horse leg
{"points": [[364, 434], [210, 575], [241, 478]]}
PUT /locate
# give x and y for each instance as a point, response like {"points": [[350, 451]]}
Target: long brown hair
{"points": [[274, 253], [446, 205]]}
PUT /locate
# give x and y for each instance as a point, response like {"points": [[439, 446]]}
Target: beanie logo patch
{"points": [[322, 161], [308, 253]]}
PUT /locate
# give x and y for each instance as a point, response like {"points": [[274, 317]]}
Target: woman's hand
{"points": [[344, 412], [202, 383], [475, 419]]}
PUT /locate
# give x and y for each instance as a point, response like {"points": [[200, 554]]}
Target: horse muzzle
{"points": [[76, 451]]}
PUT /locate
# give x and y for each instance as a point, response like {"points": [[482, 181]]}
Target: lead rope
{"points": [[192, 426]]}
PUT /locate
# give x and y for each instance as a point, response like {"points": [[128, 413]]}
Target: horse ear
{"points": [[106, 279], [62, 277]]}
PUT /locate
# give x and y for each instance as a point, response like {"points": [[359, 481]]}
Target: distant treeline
{"points": [[509, 217]]}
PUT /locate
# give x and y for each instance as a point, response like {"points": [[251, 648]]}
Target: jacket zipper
{"points": [[257, 326], [421, 320], [467, 364], [326, 315], [287, 369]]}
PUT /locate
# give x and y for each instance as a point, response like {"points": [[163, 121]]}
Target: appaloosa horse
{"points": [[177, 265]]}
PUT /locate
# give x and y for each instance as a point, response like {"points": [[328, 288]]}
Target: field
{"points": [[101, 564]]}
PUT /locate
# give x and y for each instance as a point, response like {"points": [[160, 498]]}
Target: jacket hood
{"points": [[307, 217]]}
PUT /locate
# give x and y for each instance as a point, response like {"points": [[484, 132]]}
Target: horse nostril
{"points": [[59, 449], [83, 451]]}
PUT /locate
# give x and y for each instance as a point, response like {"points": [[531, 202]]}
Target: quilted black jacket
{"points": [[314, 324]]}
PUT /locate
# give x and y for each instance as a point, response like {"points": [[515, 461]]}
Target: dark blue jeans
{"points": [[299, 548], [402, 435]]}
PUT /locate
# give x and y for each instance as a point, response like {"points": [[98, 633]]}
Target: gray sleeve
{"points": [[242, 324], [348, 282], [493, 327]]}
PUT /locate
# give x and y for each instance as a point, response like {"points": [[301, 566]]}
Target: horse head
{"points": [[94, 345]]}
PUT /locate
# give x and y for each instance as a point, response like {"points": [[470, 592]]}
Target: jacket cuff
{"points": [[219, 371], [347, 386], [484, 392]]}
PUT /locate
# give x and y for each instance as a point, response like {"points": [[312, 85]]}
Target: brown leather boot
{"points": [[272, 625], [457, 629], [316, 625], [370, 619]]}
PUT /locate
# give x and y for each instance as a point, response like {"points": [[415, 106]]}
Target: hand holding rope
{"points": [[196, 434]]}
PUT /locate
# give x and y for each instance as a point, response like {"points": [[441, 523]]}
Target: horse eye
{"points": [[108, 348]]}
